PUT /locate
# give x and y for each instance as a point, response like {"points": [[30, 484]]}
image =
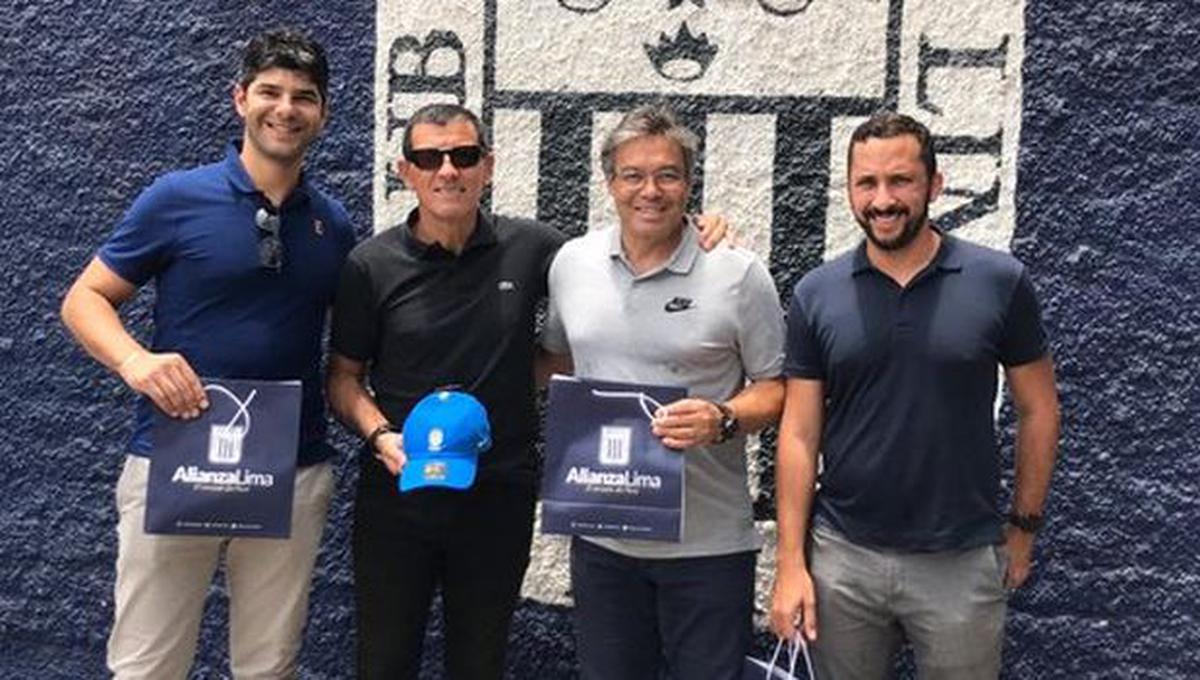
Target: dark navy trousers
{"points": [[645, 619]]}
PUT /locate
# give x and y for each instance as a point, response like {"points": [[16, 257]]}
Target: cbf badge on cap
{"points": [[443, 437]]}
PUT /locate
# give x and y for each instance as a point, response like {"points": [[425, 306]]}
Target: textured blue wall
{"points": [[100, 97]]}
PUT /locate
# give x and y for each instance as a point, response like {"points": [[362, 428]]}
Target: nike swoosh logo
{"points": [[678, 304]]}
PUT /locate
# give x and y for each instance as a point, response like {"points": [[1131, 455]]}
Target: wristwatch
{"points": [[1029, 523], [729, 423]]}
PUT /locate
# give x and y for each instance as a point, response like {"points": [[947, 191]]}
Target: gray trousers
{"points": [[949, 605]]}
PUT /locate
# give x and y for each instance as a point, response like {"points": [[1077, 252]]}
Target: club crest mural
{"points": [[773, 88]]}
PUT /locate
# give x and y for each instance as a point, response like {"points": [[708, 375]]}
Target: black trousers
{"points": [[473, 545], [643, 619]]}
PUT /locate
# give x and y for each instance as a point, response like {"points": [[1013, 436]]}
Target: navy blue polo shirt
{"points": [[193, 233], [909, 444]]}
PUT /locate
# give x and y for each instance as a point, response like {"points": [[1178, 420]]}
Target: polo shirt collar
{"points": [[240, 180], [948, 258], [482, 236], [681, 259]]}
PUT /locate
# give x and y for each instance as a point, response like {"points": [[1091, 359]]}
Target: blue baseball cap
{"points": [[443, 437]]}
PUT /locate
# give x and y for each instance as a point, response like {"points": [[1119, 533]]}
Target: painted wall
{"points": [[1070, 136]]}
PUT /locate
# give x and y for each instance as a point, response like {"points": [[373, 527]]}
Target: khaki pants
{"points": [[162, 582], [949, 605]]}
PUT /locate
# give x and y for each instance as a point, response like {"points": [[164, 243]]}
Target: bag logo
{"points": [[225, 441]]}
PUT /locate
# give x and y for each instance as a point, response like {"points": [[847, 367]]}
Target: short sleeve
{"points": [[355, 325], [552, 241], [140, 246], [802, 354], [760, 324], [1024, 338], [554, 334]]}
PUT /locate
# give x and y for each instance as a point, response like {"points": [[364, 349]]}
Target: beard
{"points": [[912, 225]]}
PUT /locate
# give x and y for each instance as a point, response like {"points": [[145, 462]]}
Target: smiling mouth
{"points": [[283, 129], [887, 216]]}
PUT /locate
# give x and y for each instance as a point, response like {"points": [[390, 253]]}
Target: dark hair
{"points": [[442, 114], [288, 49], [646, 121], [888, 125]]}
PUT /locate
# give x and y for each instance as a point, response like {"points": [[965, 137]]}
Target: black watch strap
{"points": [[373, 438], [1030, 523], [729, 425]]}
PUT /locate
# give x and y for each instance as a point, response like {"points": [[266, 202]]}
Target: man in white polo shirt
{"points": [[643, 303]]}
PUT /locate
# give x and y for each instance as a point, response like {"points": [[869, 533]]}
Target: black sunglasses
{"points": [[461, 157], [270, 246]]}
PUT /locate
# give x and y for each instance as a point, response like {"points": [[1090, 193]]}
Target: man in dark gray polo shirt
{"points": [[892, 357]]}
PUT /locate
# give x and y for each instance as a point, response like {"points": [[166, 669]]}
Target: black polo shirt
{"points": [[422, 318], [909, 442]]}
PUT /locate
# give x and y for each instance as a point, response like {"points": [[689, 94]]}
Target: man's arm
{"points": [[1036, 400], [356, 408], [89, 310], [794, 601], [694, 422], [547, 363]]}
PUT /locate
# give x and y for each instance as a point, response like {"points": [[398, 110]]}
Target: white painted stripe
{"points": [[517, 137], [739, 175]]}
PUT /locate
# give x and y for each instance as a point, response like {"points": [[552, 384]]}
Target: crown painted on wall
{"points": [[685, 57]]}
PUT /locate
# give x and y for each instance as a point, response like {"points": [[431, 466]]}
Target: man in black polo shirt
{"points": [[892, 356], [448, 298]]}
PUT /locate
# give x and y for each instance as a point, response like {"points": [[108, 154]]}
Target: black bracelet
{"points": [[377, 433], [1030, 523]]}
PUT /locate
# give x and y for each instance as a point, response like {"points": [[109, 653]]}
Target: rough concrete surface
{"points": [[1098, 196]]}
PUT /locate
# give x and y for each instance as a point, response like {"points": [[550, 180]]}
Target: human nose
{"points": [[447, 166], [883, 197], [650, 187], [285, 105]]}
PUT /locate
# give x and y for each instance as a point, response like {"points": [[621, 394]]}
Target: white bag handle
{"points": [[796, 647]]}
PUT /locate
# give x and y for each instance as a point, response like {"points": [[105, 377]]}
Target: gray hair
{"points": [[645, 121]]}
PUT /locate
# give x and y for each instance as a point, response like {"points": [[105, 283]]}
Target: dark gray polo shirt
{"points": [[909, 445]]}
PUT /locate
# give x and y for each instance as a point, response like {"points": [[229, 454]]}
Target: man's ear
{"points": [[936, 184], [239, 99], [402, 168]]}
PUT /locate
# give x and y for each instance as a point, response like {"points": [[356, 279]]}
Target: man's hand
{"points": [[687, 423], [389, 449], [1020, 556], [168, 380], [713, 230], [793, 603]]}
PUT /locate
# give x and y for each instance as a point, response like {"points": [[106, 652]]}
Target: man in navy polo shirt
{"points": [[892, 356], [244, 255]]}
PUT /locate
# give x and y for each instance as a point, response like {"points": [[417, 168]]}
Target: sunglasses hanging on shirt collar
{"points": [[270, 246]]}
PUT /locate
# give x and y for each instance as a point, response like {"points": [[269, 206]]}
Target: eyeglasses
{"points": [[461, 157], [636, 179], [270, 246]]}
